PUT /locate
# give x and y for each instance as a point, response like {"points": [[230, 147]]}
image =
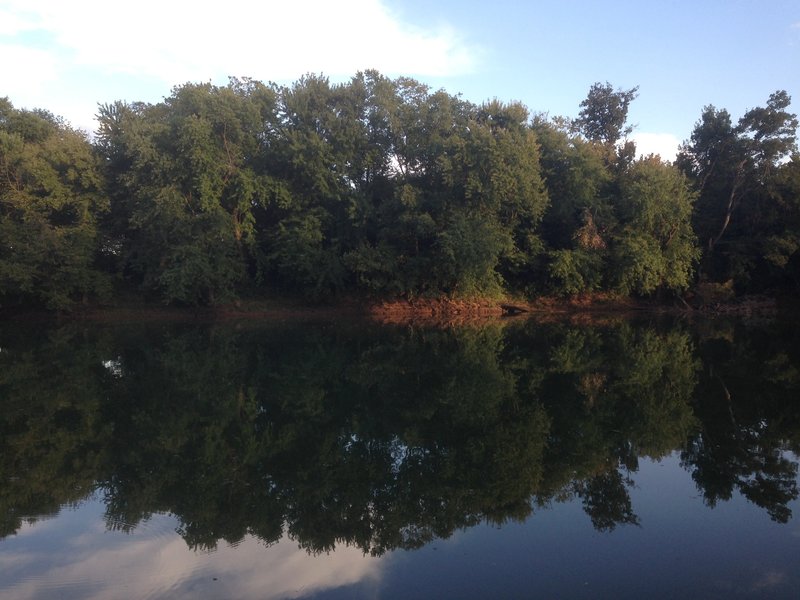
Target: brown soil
{"points": [[456, 312], [433, 309]]}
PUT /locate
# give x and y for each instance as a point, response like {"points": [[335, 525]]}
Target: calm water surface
{"points": [[515, 460]]}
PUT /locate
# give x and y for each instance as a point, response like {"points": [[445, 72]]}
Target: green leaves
{"points": [[576, 271], [187, 175], [389, 187], [654, 247], [604, 113], [399, 189], [612, 224], [738, 172], [51, 196]]}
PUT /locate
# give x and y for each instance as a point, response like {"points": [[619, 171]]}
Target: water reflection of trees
{"points": [[746, 401], [384, 438], [52, 436]]}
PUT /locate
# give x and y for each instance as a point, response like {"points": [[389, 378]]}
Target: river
{"points": [[318, 459]]}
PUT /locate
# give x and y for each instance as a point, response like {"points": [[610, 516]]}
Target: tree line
{"points": [[389, 188]]}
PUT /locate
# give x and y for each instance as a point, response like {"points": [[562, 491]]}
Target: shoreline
{"points": [[443, 310]]}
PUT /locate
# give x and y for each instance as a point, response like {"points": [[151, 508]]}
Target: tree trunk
{"points": [[737, 183]]}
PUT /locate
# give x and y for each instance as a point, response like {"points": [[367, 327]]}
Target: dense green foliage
{"points": [[184, 182], [51, 199], [389, 188], [384, 437], [747, 207]]}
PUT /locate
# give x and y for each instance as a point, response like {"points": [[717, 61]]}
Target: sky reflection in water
{"points": [[680, 549], [74, 556]]}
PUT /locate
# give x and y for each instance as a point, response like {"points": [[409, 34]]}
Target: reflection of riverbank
{"points": [[386, 437]]}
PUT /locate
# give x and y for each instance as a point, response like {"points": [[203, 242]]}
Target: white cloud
{"points": [[68, 56], [26, 68], [154, 562], [663, 144], [13, 24], [180, 41]]}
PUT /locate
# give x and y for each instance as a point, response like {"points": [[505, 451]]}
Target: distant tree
{"points": [[389, 187], [427, 221]]}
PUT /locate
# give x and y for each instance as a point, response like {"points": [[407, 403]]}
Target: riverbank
{"points": [[401, 310]]}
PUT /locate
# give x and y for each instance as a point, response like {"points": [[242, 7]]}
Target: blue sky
{"points": [[68, 56]]}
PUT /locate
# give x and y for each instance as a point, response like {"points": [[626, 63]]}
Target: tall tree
{"points": [[780, 244], [328, 164], [604, 113], [654, 247], [498, 175], [576, 226], [187, 175], [51, 197], [464, 194], [733, 168]]}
